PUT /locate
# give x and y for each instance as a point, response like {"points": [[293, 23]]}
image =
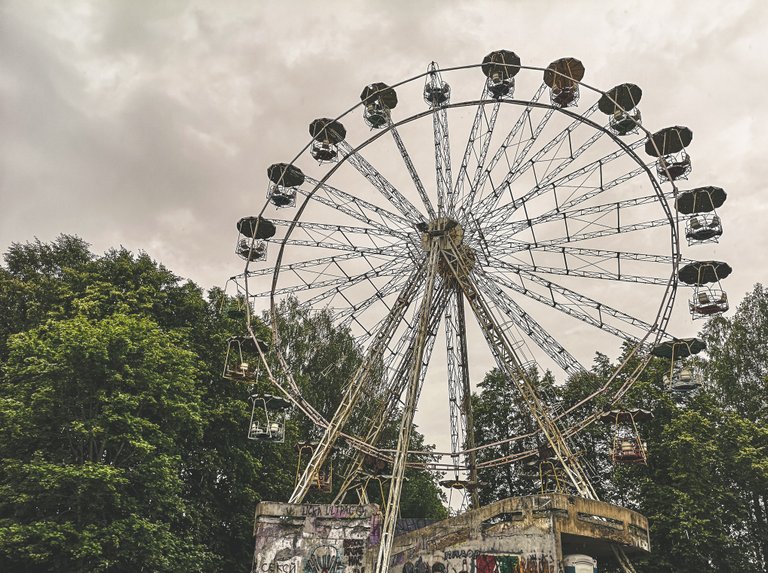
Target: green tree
{"points": [[96, 416], [106, 369], [500, 415], [121, 446]]}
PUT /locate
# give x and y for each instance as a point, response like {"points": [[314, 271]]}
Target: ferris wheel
{"points": [[494, 214]]}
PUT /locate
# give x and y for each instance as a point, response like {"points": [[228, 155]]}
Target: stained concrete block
{"points": [[528, 534]]}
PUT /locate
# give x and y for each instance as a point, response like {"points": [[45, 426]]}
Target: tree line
{"points": [[705, 486], [122, 447]]}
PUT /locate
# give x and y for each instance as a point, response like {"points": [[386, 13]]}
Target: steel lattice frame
{"points": [[534, 217]]}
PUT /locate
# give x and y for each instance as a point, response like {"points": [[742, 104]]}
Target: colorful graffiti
{"points": [[472, 561]]}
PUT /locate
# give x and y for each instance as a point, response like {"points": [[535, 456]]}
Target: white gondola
{"points": [[268, 415], [236, 365], [703, 228], [282, 196], [674, 166], [707, 302]]}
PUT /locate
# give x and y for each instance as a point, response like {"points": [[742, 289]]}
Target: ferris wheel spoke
{"points": [[437, 94], [412, 171], [575, 259], [606, 256], [511, 245], [334, 285], [527, 324], [572, 303], [387, 251], [446, 199], [477, 144], [389, 396], [592, 274], [523, 165], [379, 182], [563, 214], [360, 378], [512, 140], [358, 208], [353, 235], [459, 392], [321, 264]]}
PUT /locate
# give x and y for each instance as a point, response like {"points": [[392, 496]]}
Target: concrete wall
{"points": [[515, 535], [314, 538], [520, 535], [499, 538]]}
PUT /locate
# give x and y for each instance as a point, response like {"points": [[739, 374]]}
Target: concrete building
{"points": [[531, 534]]}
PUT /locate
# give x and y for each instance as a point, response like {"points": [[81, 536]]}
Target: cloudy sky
{"points": [[150, 124]]}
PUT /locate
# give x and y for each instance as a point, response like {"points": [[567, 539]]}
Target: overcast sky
{"points": [[150, 124]]}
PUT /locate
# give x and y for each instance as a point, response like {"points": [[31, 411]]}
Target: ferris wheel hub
{"points": [[449, 235], [442, 229]]}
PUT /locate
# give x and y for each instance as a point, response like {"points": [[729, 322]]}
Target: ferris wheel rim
{"points": [[667, 301], [669, 296]]}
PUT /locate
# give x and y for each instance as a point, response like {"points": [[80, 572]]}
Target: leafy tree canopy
{"points": [[121, 446], [705, 487]]}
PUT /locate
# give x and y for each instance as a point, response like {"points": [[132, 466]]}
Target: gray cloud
{"points": [[151, 124]]}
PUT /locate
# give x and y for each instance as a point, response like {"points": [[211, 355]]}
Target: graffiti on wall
{"points": [[472, 561], [338, 511], [353, 553], [280, 566], [324, 559]]}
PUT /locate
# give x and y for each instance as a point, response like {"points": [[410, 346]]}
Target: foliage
{"points": [[705, 486], [121, 446], [323, 358]]}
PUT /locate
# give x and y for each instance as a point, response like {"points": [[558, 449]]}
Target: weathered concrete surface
{"points": [[517, 535], [313, 538]]}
